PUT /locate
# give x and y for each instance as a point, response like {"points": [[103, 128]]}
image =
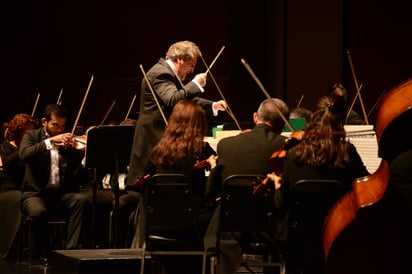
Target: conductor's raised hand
{"points": [[201, 78]]}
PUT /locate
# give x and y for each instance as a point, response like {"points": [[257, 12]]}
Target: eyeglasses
{"points": [[190, 64]]}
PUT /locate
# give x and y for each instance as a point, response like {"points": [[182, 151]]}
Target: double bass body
{"points": [[367, 231]]}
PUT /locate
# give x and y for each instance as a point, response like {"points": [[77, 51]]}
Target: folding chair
{"points": [[244, 213], [311, 201], [171, 221]]}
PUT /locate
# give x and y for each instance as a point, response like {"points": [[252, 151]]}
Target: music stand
{"points": [[108, 150]]}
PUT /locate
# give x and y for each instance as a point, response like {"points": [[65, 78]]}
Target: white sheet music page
{"points": [[363, 137]]}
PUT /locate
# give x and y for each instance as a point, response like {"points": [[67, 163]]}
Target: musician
{"points": [[300, 112], [11, 177], [336, 93], [247, 153], [12, 168], [323, 153], [49, 185], [167, 78], [177, 153]]}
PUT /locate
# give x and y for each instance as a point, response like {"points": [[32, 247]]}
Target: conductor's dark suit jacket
{"points": [[150, 125]]}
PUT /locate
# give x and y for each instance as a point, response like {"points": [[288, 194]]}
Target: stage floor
{"points": [[83, 261]]}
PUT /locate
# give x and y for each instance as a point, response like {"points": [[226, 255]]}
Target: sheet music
{"points": [[363, 137]]}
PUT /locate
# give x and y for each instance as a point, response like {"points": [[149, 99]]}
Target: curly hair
{"points": [[183, 136], [18, 126]]}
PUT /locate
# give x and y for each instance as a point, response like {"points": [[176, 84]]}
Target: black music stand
{"points": [[108, 150]]}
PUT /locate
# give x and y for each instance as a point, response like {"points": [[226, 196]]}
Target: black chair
{"points": [[251, 219], [57, 231], [171, 226], [311, 201]]}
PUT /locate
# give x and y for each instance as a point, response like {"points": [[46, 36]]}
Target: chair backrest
{"points": [[317, 196], [311, 201], [169, 208], [243, 211]]}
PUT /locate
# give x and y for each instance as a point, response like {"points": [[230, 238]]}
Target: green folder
{"points": [[297, 124]]}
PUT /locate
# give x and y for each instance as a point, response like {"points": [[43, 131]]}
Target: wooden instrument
{"points": [[351, 223]]}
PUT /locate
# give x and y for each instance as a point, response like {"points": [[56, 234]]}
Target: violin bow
{"points": [[35, 104], [300, 101], [109, 109], [249, 69], [130, 107], [357, 88], [153, 93], [228, 110], [82, 105], [214, 60], [376, 103], [353, 103], [59, 99]]}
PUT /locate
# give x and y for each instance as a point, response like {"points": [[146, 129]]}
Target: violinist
{"points": [[337, 92], [11, 177], [247, 153], [50, 184], [168, 81], [177, 152], [12, 169], [322, 153]]}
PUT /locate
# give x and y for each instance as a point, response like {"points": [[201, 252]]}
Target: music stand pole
{"points": [[108, 150], [93, 217], [116, 202]]}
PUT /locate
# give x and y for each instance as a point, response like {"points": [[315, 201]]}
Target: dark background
{"points": [[297, 48]]}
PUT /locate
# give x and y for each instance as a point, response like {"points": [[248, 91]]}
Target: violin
{"points": [[277, 157], [276, 161], [79, 142], [207, 158], [198, 165], [205, 163], [142, 180]]}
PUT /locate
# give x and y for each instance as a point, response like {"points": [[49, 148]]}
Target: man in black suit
{"points": [[246, 153], [167, 80], [49, 185]]}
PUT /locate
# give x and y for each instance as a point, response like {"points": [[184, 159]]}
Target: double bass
{"points": [[367, 230]]}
